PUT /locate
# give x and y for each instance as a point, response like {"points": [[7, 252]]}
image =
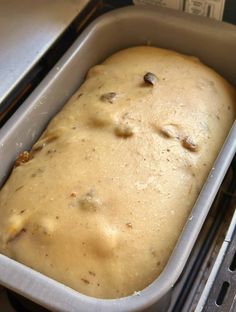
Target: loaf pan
{"points": [[214, 43]]}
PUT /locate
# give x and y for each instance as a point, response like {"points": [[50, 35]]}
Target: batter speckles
{"points": [[37, 172]]}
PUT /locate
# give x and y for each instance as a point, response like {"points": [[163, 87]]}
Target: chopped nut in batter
{"points": [[24, 157], [170, 131], [124, 130], [189, 144], [89, 201], [109, 97]]}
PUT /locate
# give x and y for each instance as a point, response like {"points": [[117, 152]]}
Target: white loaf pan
{"points": [[213, 42]]}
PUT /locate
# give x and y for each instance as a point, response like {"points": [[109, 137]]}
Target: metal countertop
{"points": [[27, 29]]}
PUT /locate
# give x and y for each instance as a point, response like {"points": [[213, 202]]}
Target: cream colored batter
{"points": [[100, 201]]}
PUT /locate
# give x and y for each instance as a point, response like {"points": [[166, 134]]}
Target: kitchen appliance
{"points": [[209, 241]]}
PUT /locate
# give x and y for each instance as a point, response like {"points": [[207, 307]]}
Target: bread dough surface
{"points": [[100, 201]]}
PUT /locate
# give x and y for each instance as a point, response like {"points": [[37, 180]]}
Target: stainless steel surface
{"points": [[132, 26], [189, 288], [211, 280], [27, 29]]}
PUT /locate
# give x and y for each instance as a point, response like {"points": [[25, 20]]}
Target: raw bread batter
{"points": [[100, 201]]}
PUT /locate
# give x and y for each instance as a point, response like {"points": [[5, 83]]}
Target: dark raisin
{"points": [[150, 78]]}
